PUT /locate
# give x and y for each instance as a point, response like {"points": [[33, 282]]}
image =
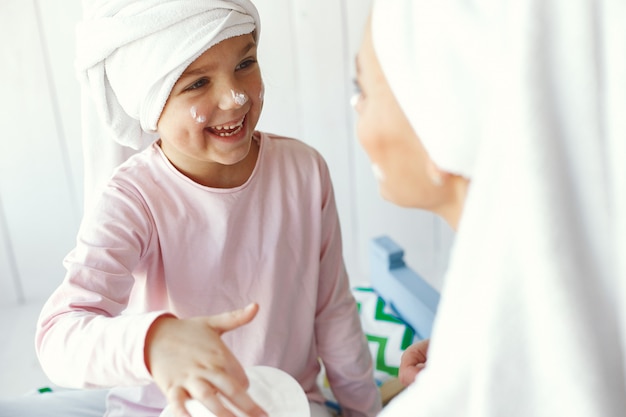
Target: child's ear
{"points": [[437, 176]]}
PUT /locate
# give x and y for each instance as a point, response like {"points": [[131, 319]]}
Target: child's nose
{"points": [[232, 98]]}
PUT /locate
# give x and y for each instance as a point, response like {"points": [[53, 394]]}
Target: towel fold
{"points": [[448, 59], [130, 54]]}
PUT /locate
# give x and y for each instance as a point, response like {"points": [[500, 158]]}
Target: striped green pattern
{"points": [[388, 336]]}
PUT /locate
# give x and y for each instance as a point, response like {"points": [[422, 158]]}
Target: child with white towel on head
{"points": [[216, 248]]}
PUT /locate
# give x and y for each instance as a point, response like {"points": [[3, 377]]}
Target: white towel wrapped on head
{"points": [[131, 53], [427, 81]]}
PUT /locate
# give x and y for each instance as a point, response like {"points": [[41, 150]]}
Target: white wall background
{"points": [[306, 53]]}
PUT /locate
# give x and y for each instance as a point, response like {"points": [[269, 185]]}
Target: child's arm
{"points": [[90, 335], [341, 342], [188, 359], [86, 337], [93, 330]]}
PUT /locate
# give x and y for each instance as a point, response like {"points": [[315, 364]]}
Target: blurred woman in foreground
{"points": [[506, 119]]}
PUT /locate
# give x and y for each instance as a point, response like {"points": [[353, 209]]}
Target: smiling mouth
{"points": [[229, 129]]}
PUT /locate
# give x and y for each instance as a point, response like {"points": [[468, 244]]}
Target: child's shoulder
{"points": [[141, 161], [289, 144], [140, 170]]}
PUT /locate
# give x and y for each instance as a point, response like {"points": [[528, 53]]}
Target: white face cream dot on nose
{"points": [[239, 98], [378, 173], [197, 117]]}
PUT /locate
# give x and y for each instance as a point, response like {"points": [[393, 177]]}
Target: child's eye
{"points": [[198, 84], [245, 64]]}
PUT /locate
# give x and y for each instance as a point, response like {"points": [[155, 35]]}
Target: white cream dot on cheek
{"points": [[197, 117], [239, 98], [378, 173]]}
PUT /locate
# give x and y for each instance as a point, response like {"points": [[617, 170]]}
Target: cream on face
{"points": [[239, 98], [354, 100], [225, 130], [378, 173], [195, 116]]}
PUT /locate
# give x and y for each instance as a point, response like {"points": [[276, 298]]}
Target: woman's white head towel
{"points": [[525, 98], [131, 53]]}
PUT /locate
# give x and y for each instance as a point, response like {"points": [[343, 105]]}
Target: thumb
{"points": [[230, 320]]}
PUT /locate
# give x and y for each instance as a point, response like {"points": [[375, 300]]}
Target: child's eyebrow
{"points": [[248, 47], [201, 70]]}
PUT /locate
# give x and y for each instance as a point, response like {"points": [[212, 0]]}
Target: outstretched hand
{"points": [[188, 359], [413, 361]]}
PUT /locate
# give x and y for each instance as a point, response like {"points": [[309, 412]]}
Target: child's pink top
{"points": [[158, 242]]}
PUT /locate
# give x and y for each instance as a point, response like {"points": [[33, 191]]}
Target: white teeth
{"points": [[229, 127], [228, 130], [231, 133]]}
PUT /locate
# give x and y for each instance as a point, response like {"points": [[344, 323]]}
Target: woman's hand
{"points": [[413, 361], [188, 359]]}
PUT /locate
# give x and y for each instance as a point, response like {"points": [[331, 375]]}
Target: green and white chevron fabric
{"points": [[388, 336]]}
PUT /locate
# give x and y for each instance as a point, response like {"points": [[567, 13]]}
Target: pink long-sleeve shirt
{"points": [[158, 242]]}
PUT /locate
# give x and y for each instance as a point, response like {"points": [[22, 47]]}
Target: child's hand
{"points": [[413, 361], [188, 359]]}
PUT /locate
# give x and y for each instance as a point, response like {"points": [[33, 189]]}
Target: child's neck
{"points": [[215, 175], [231, 176]]}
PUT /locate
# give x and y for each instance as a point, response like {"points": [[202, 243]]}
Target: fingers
{"points": [[221, 402], [207, 395], [189, 408], [407, 374], [413, 361], [215, 406], [244, 403], [188, 360], [176, 397], [231, 320], [416, 353], [236, 394]]}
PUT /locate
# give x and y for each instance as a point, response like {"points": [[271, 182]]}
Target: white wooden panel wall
{"points": [[37, 184], [10, 290], [307, 51], [310, 42], [58, 19], [312, 45]]}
